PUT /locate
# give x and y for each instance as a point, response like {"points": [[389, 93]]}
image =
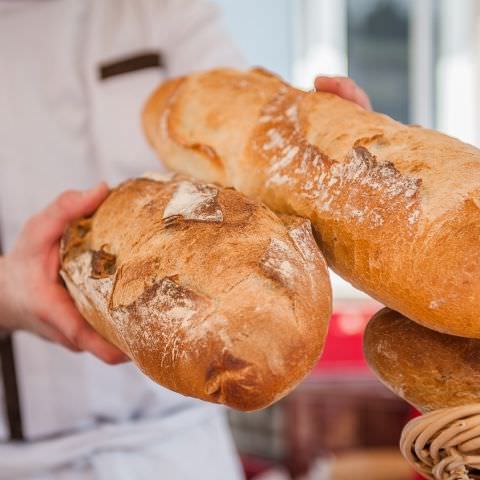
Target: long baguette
{"points": [[395, 208], [210, 293]]}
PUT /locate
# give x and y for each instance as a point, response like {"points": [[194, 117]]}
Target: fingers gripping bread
{"points": [[209, 293]]}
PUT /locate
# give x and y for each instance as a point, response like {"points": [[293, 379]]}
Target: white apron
{"points": [[62, 126]]}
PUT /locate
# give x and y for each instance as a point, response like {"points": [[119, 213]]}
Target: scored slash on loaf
{"points": [[395, 208], [210, 293]]}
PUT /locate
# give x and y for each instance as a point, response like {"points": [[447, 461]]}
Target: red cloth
{"points": [[343, 348]]}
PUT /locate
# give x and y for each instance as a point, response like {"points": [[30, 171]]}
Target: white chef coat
{"points": [[61, 127]]}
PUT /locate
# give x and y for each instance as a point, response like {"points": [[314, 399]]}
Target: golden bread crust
{"points": [[210, 293]]}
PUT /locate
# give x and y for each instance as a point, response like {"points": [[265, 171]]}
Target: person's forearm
{"points": [[7, 304], [4, 309]]}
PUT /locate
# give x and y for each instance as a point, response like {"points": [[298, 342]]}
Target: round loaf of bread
{"points": [[428, 369], [211, 294]]}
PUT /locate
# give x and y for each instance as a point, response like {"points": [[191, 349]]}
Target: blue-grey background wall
{"points": [[263, 30]]}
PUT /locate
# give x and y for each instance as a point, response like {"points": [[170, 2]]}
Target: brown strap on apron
{"points": [[10, 388], [131, 63], [10, 385]]}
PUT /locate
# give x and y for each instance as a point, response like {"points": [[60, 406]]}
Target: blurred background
{"points": [[418, 60]]}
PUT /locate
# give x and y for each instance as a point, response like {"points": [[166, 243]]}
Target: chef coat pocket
{"points": [[119, 93], [130, 64]]}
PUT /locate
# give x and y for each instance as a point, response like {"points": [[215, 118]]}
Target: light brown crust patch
{"points": [[430, 370]]}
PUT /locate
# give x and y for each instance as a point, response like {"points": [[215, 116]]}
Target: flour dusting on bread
{"points": [[161, 317], [335, 186], [275, 140], [278, 261], [194, 201], [303, 240], [96, 291]]}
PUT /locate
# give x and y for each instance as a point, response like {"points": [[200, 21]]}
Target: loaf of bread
{"points": [[209, 293], [428, 369], [395, 208], [440, 375]]}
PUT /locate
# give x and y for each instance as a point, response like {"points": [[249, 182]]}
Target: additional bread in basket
{"points": [[430, 370]]}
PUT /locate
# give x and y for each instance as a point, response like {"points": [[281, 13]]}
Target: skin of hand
{"points": [[32, 296], [343, 87]]}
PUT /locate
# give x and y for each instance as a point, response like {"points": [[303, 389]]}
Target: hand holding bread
{"points": [[32, 297]]}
